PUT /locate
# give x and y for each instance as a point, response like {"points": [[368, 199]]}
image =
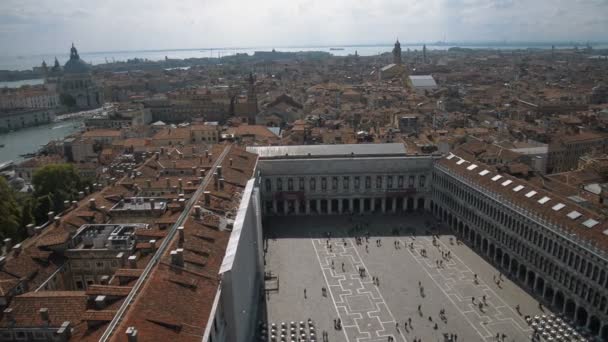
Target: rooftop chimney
{"points": [[148, 183], [2, 261], [177, 257], [230, 161], [198, 211], [202, 172], [131, 334], [64, 332], [180, 231], [100, 302], [152, 203], [17, 249], [210, 155], [133, 261], [104, 280], [162, 150], [92, 203], [221, 183], [180, 182], [44, 314], [207, 196], [74, 204], [8, 243], [30, 229], [10, 316], [121, 260], [206, 153], [57, 220], [80, 194], [167, 182], [50, 216], [66, 204], [219, 171]]}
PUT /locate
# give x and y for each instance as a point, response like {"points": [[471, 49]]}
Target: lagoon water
{"points": [[31, 139], [29, 61]]}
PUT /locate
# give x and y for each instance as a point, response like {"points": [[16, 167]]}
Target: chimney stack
{"points": [[8, 244], [167, 182], [10, 316], [148, 183], [17, 249], [50, 216], [44, 314], [206, 153], [64, 332], [210, 157], [87, 190], [104, 280], [198, 212], [180, 182], [30, 229], [156, 155], [221, 183], [57, 220], [207, 196], [92, 204], [219, 170], [162, 151], [80, 195], [131, 334], [74, 204], [120, 258], [100, 302], [152, 203], [66, 204], [133, 261], [177, 257], [194, 170], [180, 231], [230, 161], [202, 172]]}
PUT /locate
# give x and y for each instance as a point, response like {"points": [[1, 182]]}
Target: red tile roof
{"points": [[62, 306]]}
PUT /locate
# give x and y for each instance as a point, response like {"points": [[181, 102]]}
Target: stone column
{"points": [[329, 205], [307, 207], [285, 207], [404, 204], [350, 205], [297, 208], [372, 204], [394, 205], [361, 206], [274, 207], [340, 206], [415, 203], [383, 205]]}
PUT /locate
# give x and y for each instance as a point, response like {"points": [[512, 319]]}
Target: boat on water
{"points": [[336, 49]]}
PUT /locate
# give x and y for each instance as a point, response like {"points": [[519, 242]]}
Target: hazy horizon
{"points": [[42, 27]]}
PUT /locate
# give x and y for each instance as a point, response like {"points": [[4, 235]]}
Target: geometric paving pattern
{"points": [[360, 305], [457, 282]]}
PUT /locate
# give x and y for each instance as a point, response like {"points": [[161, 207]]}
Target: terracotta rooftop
{"points": [[62, 306], [551, 207]]}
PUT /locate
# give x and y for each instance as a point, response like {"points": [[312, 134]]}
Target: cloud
{"points": [[42, 26]]}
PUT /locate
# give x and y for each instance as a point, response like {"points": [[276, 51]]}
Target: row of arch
{"points": [[525, 275]]}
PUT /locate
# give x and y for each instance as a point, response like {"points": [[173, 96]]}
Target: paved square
{"points": [[306, 262]]}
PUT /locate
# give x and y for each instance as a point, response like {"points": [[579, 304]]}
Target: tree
{"points": [[57, 182], [9, 211]]}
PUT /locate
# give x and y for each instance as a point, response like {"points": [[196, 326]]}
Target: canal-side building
{"points": [[14, 119], [76, 85]]}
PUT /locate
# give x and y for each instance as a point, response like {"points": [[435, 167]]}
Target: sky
{"points": [[48, 26]]}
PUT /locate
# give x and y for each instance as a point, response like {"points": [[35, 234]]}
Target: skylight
{"points": [[507, 182], [472, 167], [450, 156], [590, 223], [574, 215], [497, 177], [460, 162], [484, 172], [531, 193], [558, 206], [544, 200], [518, 188]]}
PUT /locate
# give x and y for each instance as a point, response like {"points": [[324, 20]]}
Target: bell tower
{"points": [[397, 53]]}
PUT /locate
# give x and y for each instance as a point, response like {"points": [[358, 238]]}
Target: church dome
{"points": [[75, 65]]}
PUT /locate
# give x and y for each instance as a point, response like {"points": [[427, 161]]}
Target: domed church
{"points": [[76, 86]]}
